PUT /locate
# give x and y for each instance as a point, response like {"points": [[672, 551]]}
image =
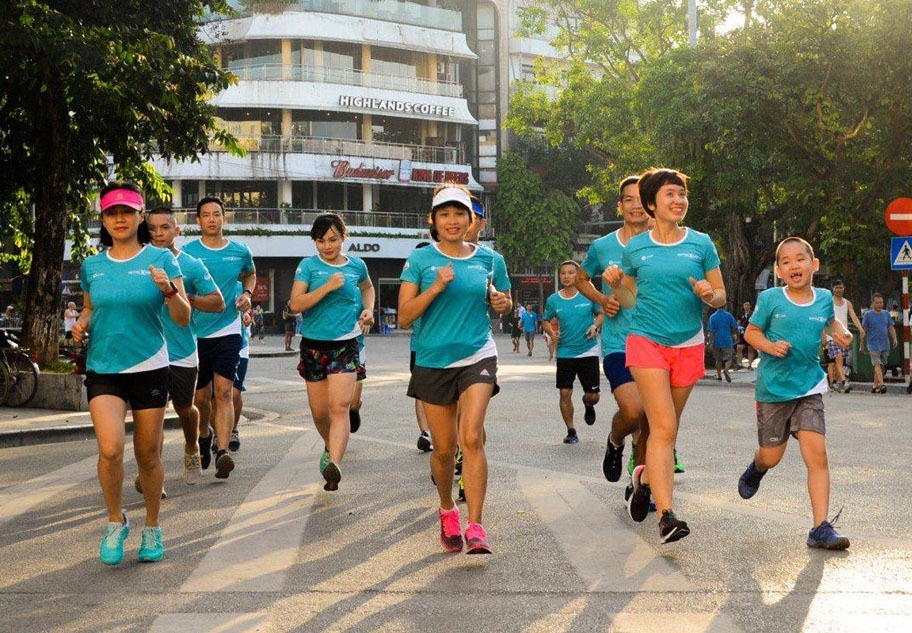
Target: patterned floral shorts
{"points": [[317, 364]]}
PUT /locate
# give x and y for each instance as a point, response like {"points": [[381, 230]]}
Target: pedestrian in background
{"points": [[722, 335], [879, 336]]}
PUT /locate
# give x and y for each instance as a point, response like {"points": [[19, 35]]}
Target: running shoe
{"points": [[223, 465], [333, 475], [324, 460], [679, 467], [460, 488], [354, 420], [572, 437], [638, 503], [476, 540], [728, 377], [631, 463], [234, 444], [138, 485], [846, 387], [457, 470], [205, 444], [191, 469], [450, 530], [112, 544], [589, 416], [611, 464], [671, 528], [824, 536], [628, 490], [749, 482], [424, 442], [151, 550], [215, 448]]}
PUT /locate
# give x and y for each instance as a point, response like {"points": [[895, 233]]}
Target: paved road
{"points": [[269, 550]]}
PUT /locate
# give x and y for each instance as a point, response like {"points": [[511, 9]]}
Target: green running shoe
{"points": [[111, 551], [151, 550], [679, 467], [324, 460], [631, 463]]}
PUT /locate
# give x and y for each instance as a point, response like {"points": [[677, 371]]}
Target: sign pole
{"points": [[906, 329]]}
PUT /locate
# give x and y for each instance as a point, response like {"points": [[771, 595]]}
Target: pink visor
{"points": [[123, 197]]}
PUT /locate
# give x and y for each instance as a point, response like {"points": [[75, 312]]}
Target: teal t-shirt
{"points": [[604, 252], [575, 315], [127, 334], [182, 340], [337, 316], [500, 279], [798, 374], [225, 265], [455, 329], [667, 311]]}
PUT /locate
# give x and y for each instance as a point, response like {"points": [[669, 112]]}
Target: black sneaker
{"points": [[589, 416], [354, 420], [234, 444], [671, 528], [638, 503], [824, 536], [223, 465], [571, 438], [205, 444], [846, 387], [424, 442], [333, 475], [749, 482], [613, 461]]}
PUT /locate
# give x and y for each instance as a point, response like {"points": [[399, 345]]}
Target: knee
{"points": [[472, 440], [565, 396], [147, 458], [111, 453], [592, 397]]}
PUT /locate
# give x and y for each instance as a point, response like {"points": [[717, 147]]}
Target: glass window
{"points": [[302, 194], [330, 196], [396, 130]]}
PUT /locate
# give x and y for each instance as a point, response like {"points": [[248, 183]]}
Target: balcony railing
{"points": [[347, 76], [347, 147], [301, 218]]}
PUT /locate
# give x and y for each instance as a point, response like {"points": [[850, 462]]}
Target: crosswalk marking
{"points": [[211, 623], [261, 541]]}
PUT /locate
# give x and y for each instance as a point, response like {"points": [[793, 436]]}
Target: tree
{"points": [[81, 81], [795, 123], [535, 225]]}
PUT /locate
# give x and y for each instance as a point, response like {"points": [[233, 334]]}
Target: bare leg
{"points": [[148, 429], [814, 453], [108, 413], [473, 405], [566, 407]]}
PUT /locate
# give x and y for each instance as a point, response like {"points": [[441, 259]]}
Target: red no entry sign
{"points": [[899, 216]]}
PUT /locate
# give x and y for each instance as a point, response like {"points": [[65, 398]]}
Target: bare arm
{"points": [[839, 332], [368, 298], [84, 322], [178, 306], [755, 337], [854, 316], [248, 280], [301, 300], [212, 302]]}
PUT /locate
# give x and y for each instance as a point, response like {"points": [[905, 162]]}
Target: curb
{"points": [[66, 433], [265, 354]]}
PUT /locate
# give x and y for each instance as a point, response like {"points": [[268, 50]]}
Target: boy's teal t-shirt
{"points": [[667, 311], [225, 265], [182, 340], [575, 316], [337, 316], [455, 329], [798, 374], [127, 334], [604, 252]]}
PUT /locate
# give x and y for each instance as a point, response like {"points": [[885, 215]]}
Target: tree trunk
{"points": [[739, 282], [43, 312]]}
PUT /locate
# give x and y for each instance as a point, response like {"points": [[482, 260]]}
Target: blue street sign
{"points": [[901, 253]]}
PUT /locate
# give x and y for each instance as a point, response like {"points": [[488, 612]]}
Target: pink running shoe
{"points": [[476, 540], [450, 530]]}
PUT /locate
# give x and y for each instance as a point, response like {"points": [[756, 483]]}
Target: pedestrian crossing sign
{"points": [[901, 253]]}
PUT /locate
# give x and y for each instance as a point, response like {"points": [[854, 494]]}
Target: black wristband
{"points": [[247, 292]]}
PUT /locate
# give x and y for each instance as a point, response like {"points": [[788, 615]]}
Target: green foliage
{"points": [[535, 225], [797, 123]]}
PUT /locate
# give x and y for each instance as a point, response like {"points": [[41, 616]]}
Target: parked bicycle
{"points": [[18, 372]]}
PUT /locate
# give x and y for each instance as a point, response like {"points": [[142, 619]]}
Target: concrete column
{"points": [[176, 194], [284, 192], [201, 190], [286, 59], [367, 128], [286, 122], [367, 196]]}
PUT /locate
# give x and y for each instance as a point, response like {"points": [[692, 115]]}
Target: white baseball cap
{"points": [[452, 194]]}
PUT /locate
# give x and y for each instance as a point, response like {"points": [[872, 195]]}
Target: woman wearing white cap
{"points": [[124, 288], [448, 285]]}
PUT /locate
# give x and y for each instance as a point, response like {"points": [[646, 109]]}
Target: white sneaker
{"points": [[191, 469]]}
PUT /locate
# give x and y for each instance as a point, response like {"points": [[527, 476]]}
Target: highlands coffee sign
{"points": [[391, 105]]}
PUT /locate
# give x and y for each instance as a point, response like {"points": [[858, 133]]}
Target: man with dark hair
{"points": [[838, 356], [721, 336], [219, 335], [204, 296], [877, 327]]}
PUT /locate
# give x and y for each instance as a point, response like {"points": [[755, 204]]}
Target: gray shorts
{"points": [[722, 354], [444, 386], [183, 385], [879, 358], [777, 420]]}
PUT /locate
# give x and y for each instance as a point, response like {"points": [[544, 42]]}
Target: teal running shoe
{"points": [[631, 463], [679, 467], [112, 545], [324, 460], [151, 550]]}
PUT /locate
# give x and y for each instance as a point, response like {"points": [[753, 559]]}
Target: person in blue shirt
{"points": [[721, 337], [219, 334], [786, 328], [668, 274], [630, 418], [203, 295], [124, 289], [336, 296], [529, 320], [449, 286], [576, 338], [876, 329]]}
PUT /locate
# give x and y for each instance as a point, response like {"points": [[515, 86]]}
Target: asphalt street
{"points": [[270, 550]]}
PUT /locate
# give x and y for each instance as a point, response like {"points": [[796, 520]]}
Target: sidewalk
{"points": [[746, 378]]}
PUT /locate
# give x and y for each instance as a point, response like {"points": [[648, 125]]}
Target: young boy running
{"points": [[786, 329]]}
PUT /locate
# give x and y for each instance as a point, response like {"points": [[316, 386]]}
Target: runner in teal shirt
{"points": [[225, 265], [337, 316], [576, 316], [182, 340], [604, 252]]}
